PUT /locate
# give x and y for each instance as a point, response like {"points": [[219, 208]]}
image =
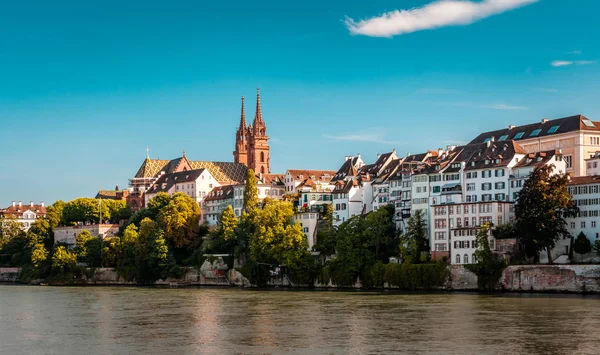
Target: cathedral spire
{"points": [[243, 117], [258, 115]]}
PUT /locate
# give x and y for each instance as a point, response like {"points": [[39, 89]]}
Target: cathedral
{"points": [[252, 143]]}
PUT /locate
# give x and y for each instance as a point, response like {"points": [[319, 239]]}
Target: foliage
{"points": [[250, 191], [504, 231], [54, 214], [582, 244], [414, 244], [487, 267], [180, 220], [39, 255], [111, 250], [596, 247], [88, 210], [326, 232], [276, 239], [381, 232], [10, 229], [228, 224], [151, 252], [541, 207], [62, 259]]}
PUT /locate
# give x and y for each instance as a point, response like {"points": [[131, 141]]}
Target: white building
{"points": [[309, 222], [194, 183], [585, 191], [267, 186], [25, 214], [216, 202], [294, 177], [593, 165], [67, 235]]}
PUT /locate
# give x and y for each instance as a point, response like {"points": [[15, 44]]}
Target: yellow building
{"points": [[577, 137]]}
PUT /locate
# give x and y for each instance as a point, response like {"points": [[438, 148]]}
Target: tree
{"points": [[39, 255], [54, 214], [325, 232], [276, 239], [414, 246], [111, 250], [381, 232], [541, 208], [151, 252], [487, 268], [228, 225], [582, 244], [10, 229], [80, 244], [250, 191], [180, 220], [63, 259]]}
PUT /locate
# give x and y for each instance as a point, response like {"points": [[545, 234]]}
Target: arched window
{"points": [[262, 157], [458, 258], [466, 259], [474, 258], [262, 169]]}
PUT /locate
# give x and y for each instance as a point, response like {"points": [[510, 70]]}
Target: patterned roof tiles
{"points": [[224, 172]]}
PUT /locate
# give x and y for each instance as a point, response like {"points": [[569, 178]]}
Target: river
{"points": [[121, 320]]}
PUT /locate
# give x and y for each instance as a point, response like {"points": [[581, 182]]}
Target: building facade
{"points": [[252, 143], [67, 235], [25, 214]]}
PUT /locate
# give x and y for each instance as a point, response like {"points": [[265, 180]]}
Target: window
{"points": [[583, 224], [503, 138], [593, 224], [471, 187], [535, 133], [588, 123], [458, 258], [487, 140], [436, 189], [519, 135], [553, 129], [569, 161], [595, 140], [500, 186], [466, 259]]}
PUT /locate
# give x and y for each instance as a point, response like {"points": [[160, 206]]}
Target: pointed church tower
{"points": [[258, 148], [240, 155]]}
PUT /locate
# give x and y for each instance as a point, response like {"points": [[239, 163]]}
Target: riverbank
{"points": [[582, 279]]}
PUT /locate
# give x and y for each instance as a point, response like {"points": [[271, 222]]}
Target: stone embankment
{"points": [[523, 278]]}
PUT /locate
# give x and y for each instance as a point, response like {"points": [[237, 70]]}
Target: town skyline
{"points": [[80, 107]]}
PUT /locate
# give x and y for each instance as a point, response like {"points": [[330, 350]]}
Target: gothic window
{"points": [[262, 157], [262, 169]]}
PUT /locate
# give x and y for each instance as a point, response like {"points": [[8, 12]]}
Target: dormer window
{"points": [[503, 138], [497, 161], [487, 161]]}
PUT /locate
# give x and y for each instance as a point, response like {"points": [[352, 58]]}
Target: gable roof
{"points": [[323, 175], [537, 159], [223, 172], [17, 210], [166, 181], [584, 180], [497, 154], [220, 193], [347, 169], [271, 179], [547, 128]]}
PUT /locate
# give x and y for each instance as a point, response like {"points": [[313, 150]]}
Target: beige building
{"points": [[67, 235], [577, 137]]}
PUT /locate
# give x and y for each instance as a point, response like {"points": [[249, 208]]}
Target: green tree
{"points": [[250, 191], [353, 255], [111, 250], [277, 239], [325, 232], [228, 225], [414, 245], [10, 229], [39, 255], [126, 256], [485, 265], [180, 220], [151, 252], [81, 241], [54, 214], [62, 259], [541, 208], [381, 232], [582, 244]]}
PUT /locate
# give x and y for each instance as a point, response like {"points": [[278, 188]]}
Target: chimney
{"points": [[452, 147], [544, 120], [440, 151], [489, 142], [358, 155], [511, 127], [13, 204], [378, 155], [42, 203], [20, 204], [31, 203]]}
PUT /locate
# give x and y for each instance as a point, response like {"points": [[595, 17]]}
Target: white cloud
{"points": [[561, 63], [505, 107], [437, 14], [373, 135], [564, 63], [574, 52]]}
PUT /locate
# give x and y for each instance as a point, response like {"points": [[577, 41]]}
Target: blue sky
{"points": [[85, 87]]}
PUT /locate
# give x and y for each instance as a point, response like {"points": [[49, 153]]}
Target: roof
{"points": [[546, 128], [536, 159], [342, 187], [492, 154], [223, 172], [220, 193], [107, 194], [326, 175], [585, 180], [271, 179], [166, 181], [382, 161], [347, 169], [17, 210]]}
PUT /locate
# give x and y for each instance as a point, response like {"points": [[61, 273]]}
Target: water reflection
{"points": [[222, 321]]}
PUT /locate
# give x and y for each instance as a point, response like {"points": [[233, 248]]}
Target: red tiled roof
{"points": [[585, 180], [17, 210], [324, 175]]}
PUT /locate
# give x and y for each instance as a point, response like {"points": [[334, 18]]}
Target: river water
{"points": [[122, 320]]}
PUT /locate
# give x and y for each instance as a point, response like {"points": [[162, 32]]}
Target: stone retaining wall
{"points": [[9, 274], [552, 278]]}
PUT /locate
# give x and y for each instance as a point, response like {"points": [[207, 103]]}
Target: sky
{"points": [[86, 86]]}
